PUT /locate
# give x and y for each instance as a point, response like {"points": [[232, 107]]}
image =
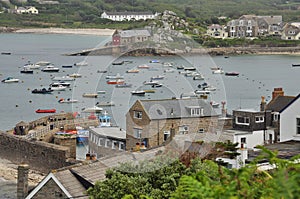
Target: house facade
{"points": [[250, 128], [128, 37], [152, 123], [217, 31], [128, 16], [253, 26], [290, 32]]}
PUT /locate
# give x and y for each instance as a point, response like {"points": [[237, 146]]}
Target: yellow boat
{"points": [[149, 91]]}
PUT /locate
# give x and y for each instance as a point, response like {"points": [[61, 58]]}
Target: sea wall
{"points": [[40, 156]]}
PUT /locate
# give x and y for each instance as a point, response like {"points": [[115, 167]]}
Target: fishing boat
{"points": [[68, 101], [157, 77], [115, 81], [91, 95], [45, 111], [124, 85], [26, 71], [133, 71], [50, 69], [42, 91], [219, 71], [190, 68], [295, 65], [139, 93], [10, 80], [82, 136], [232, 74], [6, 53]]}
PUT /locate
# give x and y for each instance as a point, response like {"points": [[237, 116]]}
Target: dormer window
{"points": [[196, 110], [259, 119], [242, 120], [137, 114], [183, 129]]}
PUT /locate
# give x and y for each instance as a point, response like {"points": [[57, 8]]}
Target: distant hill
{"points": [[86, 13]]}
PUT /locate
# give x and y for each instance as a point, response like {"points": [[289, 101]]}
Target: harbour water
{"points": [[259, 74]]}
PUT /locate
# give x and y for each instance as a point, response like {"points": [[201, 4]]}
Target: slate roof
{"points": [[279, 103], [176, 108], [134, 33], [114, 132], [277, 19]]}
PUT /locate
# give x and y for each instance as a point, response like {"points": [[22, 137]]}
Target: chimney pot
{"points": [[22, 184]]}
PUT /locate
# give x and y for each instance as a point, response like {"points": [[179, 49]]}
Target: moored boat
{"points": [[117, 76], [66, 66], [91, 95], [82, 63], [232, 74], [139, 93], [57, 87], [42, 91], [157, 77], [26, 71], [99, 104], [124, 85], [63, 78], [10, 80], [149, 91], [94, 109], [118, 63], [75, 75], [6, 53], [115, 81], [31, 66], [45, 111], [68, 101], [219, 71], [154, 61], [50, 68], [143, 66], [133, 71], [43, 63]]}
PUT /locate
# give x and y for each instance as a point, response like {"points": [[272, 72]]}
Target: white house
{"points": [[290, 121], [128, 16], [26, 10], [217, 31]]}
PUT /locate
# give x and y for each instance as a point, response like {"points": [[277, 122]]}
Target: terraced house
{"points": [[152, 123]]}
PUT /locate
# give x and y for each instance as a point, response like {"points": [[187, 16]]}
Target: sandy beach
{"points": [[89, 31]]}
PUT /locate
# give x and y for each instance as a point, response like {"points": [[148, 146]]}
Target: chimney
{"points": [[277, 92], [262, 104], [224, 111], [22, 184]]}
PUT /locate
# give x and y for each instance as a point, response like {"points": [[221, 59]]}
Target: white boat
{"points": [[10, 80], [65, 84], [191, 74], [117, 76], [151, 82], [75, 75], [101, 92], [158, 77], [202, 92], [63, 78], [43, 63], [67, 101], [210, 88], [198, 77], [219, 71], [57, 87], [31, 66], [167, 64], [50, 68], [214, 104], [82, 63], [124, 85], [94, 109]]}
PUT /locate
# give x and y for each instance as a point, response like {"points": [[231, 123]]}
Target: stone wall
{"points": [[40, 156], [53, 191]]}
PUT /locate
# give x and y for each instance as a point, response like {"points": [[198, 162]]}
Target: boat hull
{"points": [[45, 111]]}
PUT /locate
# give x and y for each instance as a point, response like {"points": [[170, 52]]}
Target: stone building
{"points": [[127, 37], [152, 123]]}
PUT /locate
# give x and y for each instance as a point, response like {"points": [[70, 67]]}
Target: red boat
{"points": [[45, 111], [118, 81]]}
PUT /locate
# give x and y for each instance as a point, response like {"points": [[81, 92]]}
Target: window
{"points": [[275, 117], [183, 129], [107, 143], [114, 145], [243, 140], [137, 114], [166, 135], [201, 130], [298, 125], [242, 120], [137, 133], [259, 119], [197, 112], [121, 146]]}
